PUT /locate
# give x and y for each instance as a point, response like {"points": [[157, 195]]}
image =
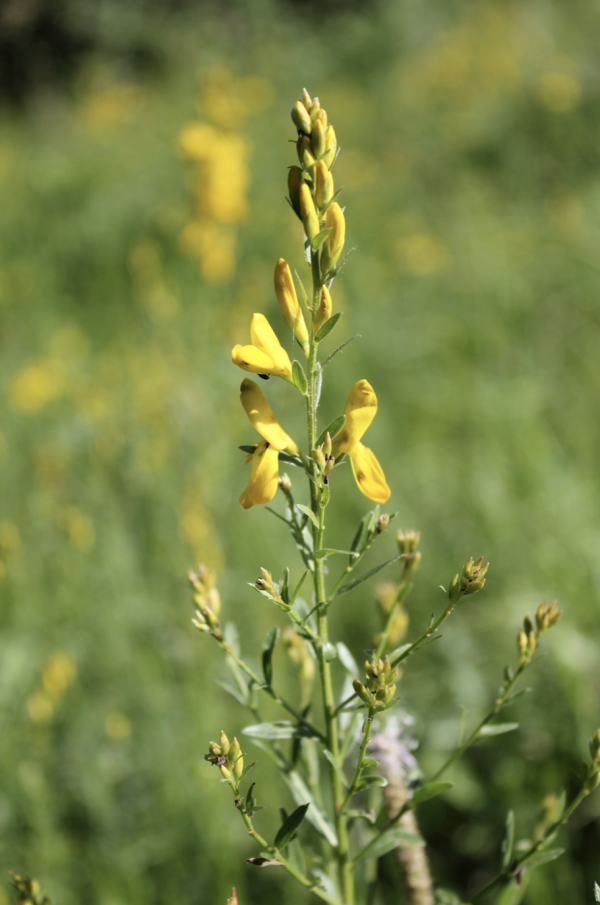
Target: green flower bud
{"points": [[301, 119], [317, 138]]}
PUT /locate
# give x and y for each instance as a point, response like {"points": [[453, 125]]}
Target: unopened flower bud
{"points": [[288, 301], [307, 99], [285, 483], [407, 540], [301, 118], [334, 243], [330, 147], [314, 108], [309, 213], [305, 155], [324, 185], [595, 747], [235, 760], [361, 691], [324, 310], [454, 589], [295, 180], [382, 523], [317, 138], [319, 458], [320, 115], [522, 643]]}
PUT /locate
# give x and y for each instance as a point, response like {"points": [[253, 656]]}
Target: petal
{"points": [[264, 476], [262, 418], [264, 338], [359, 411], [369, 474], [249, 358]]}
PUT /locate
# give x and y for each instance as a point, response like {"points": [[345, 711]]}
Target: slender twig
{"points": [[361, 758]]}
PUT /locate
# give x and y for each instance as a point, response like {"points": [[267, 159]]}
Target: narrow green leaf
{"points": [[339, 349], [284, 585], [290, 825], [354, 582], [315, 815], [332, 429], [238, 695], [320, 238], [290, 460], [369, 782], [430, 790], [309, 513], [248, 449], [597, 892], [498, 729], [538, 858], [509, 840], [295, 856], [277, 730], [365, 530], [327, 327], [299, 377], [297, 588], [347, 660], [302, 289], [386, 842], [560, 805], [328, 551], [336, 767], [267, 653], [370, 762], [369, 816]]}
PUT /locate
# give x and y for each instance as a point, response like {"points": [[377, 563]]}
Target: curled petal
{"points": [[262, 418], [249, 358], [369, 474], [360, 410], [264, 476], [264, 338]]}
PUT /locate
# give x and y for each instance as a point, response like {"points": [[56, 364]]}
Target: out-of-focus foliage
{"points": [[472, 173]]}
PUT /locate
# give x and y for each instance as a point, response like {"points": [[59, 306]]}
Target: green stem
{"points": [[305, 881], [506, 875], [361, 758], [346, 880], [401, 594]]}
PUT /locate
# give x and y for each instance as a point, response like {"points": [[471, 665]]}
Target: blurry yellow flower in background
{"points": [[57, 675], [423, 254], [117, 727], [78, 526], [105, 109], [37, 384], [559, 91]]}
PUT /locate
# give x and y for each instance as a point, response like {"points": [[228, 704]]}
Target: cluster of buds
{"points": [[590, 773], [310, 185], [323, 458], [381, 684], [27, 890], [471, 580], [529, 636], [408, 541], [206, 599], [265, 583], [229, 758]]}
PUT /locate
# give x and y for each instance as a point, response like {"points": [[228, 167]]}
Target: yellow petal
{"points": [[249, 358], [369, 474], [264, 338], [262, 418], [264, 476], [360, 410], [288, 301]]}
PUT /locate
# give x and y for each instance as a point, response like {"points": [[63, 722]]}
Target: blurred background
{"points": [[132, 261]]}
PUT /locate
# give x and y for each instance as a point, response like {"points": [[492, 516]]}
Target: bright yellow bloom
{"points": [[288, 300], [360, 410], [265, 355], [309, 213], [323, 311], [264, 473], [334, 243]]}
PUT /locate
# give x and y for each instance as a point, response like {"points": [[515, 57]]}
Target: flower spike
{"points": [[360, 410], [266, 354]]}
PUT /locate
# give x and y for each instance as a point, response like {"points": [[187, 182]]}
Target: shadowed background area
{"points": [[133, 251]]}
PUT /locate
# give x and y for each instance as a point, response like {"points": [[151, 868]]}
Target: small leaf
{"points": [[370, 762], [315, 815], [386, 842], [302, 289], [248, 449], [267, 653], [509, 840], [339, 349], [309, 513], [263, 862], [347, 660], [370, 782], [320, 238], [397, 655], [336, 767], [560, 806], [369, 816], [295, 855], [597, 892], [329, 651], [277, 730], [327, 327], [364, 532], [538, 858], [498, 729], [284, 585], [321, 554], [332, 429], [238, 695], [290, 825], [430, 790], [299, 377], [297, 588], [290, 460], [354, 582]]}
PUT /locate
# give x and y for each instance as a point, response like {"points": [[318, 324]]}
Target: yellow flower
{"points": [[323, 311], [265, 355], [288, 300], [334, 243], [264, 473], [360, 410]]}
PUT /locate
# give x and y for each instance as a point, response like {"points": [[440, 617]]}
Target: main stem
{"points": [[346, 879]]}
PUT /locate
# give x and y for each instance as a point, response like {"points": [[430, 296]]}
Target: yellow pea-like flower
{"points": [[266, 354], [264, 472], [323, 311], [360, 410], [288, 300], [334, 243]]}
